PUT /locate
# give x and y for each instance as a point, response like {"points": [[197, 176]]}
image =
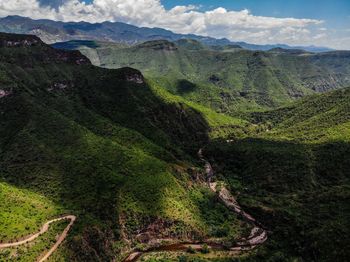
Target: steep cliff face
{"points": [[133, 75], [31, 48]]}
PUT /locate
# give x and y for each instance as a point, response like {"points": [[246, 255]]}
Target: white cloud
{"points": [[319, 36], [220, 22]]}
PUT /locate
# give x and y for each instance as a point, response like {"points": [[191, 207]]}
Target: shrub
{"points": [[191, 250], [205, 249]]}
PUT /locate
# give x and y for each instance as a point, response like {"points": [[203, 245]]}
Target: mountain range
{"points": [[227, 78], [55, 31]]}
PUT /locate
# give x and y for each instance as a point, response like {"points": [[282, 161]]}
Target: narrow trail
{"points": [[257, 235], [44, 229]]}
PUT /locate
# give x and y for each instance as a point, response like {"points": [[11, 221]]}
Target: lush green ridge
{"points": [[316, 119], [227, 79], [294, 175]]}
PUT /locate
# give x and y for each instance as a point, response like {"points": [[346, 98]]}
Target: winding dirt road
{"points": [[44, 229], [257, 236]]}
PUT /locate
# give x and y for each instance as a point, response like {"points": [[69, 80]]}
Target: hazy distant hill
{"points": [[52, 31]]}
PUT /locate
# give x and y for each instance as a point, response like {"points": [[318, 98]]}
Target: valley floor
{"points": [[257, 236]]}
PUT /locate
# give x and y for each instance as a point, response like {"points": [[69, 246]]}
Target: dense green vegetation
{"points": [[295, 177], [120, 151], [227, 79], [22, 212], [299, 192], [316, 119], [102, 145], [33, 250]]}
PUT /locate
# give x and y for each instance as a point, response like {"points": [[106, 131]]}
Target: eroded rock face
{"points": [[156, 229], [71, 57], [132, 75], [326, 83], [161, 229], [20, 43], [13, 40], [60, 86], [47, 54], [159, 45], [136, 78]]}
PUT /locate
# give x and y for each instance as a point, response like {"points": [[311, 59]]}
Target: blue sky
{"points": [[335, 12], [293, 22]]}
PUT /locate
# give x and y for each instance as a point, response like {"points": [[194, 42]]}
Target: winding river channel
{"points": [[257, 236]]}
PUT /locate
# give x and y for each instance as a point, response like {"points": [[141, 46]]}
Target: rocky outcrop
{"points": [[70, 57], [19, 40], [62, 85], [324, 83], [159, 45], [47, 55], [154, 230], [136, 78], [4, 93], [21, 43], [132, 75], [12, 40]]}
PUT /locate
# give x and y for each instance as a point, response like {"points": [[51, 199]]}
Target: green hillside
{"points": [[293, 173], [316, 119], [102, 145], [229, 79]]}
